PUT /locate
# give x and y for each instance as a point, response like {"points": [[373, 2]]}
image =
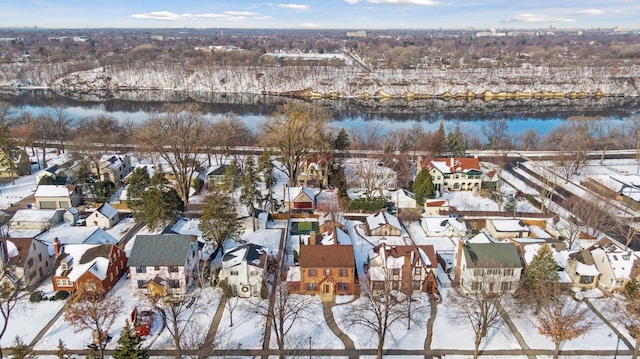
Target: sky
{"points": [[323, 14]]}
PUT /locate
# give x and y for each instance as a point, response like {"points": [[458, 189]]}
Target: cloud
{"points": [[596, 12], [309, 24], [171, 16], [352, 1], [292, 6], [405, 2], [531, 18]]}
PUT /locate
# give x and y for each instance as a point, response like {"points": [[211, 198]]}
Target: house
{"points": [[325, 270], [245, 268], [166, 258], [507, 228], [370, 175], [582, 270], [450, 226], [488, 267], [435, 206], [314, 171], [301, 198], [93, 266], [401, 198], [35, 219], [14, 163], [215, 176], [453, 174], [405, 268], [71, 215], [104, 217], [614, 265], [329, 221], [112, 168], [383, 224], [332, 236], [57, 196], [26, 260]]}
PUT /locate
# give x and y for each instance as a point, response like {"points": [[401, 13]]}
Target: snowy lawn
{"points": [[448, 334], [247, 331], [27, 318], [398, 337]]}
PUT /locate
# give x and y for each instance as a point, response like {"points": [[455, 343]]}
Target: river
{"points": [[539, 115]]}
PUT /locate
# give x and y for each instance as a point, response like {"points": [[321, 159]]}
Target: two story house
{"points": [[25, 261], [112, 167], [444, 226], [325, 270], [166, 258], [614, 265], [104, 217], [490, 267], [405, 268], [453, 174], [315, 171], [244, 268]]}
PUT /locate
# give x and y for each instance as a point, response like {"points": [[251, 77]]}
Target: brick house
{"points": [[404, 267], [325, 270], [90, 265]]}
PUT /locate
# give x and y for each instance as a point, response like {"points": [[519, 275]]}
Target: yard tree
{"points": [[563, 319], [437, 141], [627, 312], [287, 309], [177, 137], [295, 130], [60, 122], [159, 204], [10, 291], [510, 204], [230, 178], [341, 143], [539, 281], [178, 313], [103, 190], [456, 143], [9, 152], [94, 137], [373, 175], [129, 344], [21, 350], [93, 310], [423, 187], [219, 220], [62, 352], [231, 300], [137, 183], [249, 192], [377, 311], [265, 169]]}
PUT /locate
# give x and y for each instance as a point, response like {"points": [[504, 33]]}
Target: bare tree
{"points": [[627, 312], [178, 312], [287, 309], [10, 290], [92, 309], [231, 301], [295, 130], [564, 320], [94, 138], [60, 122], [582, 215], [371, 174], [176, 137]]}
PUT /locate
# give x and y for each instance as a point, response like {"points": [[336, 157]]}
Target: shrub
{"points": [[61, 295], [36, 296]]}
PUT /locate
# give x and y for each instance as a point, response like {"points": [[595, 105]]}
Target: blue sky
{"points": [[326, 14]]}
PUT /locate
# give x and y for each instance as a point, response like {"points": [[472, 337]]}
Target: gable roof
{"points": [[491, 255], [509, 225], [160, 250], [381, 218], [294, 192], [452, 165], [250, 253], [15, 250], [327, 256], [107, 210]]}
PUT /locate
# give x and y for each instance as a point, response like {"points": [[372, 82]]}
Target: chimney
{"points": [[452, 162], [406, 279], [458, 261], [312, 238], [56, 247]]}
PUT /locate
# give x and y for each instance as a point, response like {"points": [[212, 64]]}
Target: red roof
{"points": [[455, 164]]}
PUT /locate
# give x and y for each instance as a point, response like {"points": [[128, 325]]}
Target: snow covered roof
{"points": [[587, 269], [335, 235], [294, 192], [82, 258], [452, 165], [482, 237], [107, 210], [439, 224], [509, 225], [436, 202], [252, 254], [53, 191], [530, 250], [538, 232], [34, 215], [381, 218], [632, 192], [75, 235]]}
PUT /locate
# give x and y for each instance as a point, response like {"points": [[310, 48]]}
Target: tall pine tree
{"points": [[423, 187], [540, 279], [456, 142], [129, 345], [249, 192]]}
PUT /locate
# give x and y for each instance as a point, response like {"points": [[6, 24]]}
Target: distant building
{"points": [[360, 33], [453, 174]]}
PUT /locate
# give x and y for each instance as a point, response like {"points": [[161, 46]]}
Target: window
{"points": [[343, 272], [508, 272], [478, 272], [327, 272], [378, 285], [40, 257], [174, 283], [63, 283], [234, 289], [312, 272], [32, 275], [619, 283], [418, 270], [64, 265], [395, 285], [395, 271], [312, 286], [141, 269], [586, 279], [456, 185], [493, 271], [233, 272], [505, 286], [173, 269], [30, 262], [476, 285], [343, 286], [417, 285], [156, 268], [110, 276], [253, 273]]}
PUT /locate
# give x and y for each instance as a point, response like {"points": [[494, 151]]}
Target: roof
{"points": [[34, 215], [439, 224], [82, 258], [327, 256], [329, 237], [217, 171], [250, 253], [451, 165], [381, 218], [294, 192], [482, 237], [509, 225], [491, 255], [561, 257], [160, 250], [436, 202], [53, 191], [107, 210], [15, 250]]}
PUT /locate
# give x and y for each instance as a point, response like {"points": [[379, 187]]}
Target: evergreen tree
{"points": [[539, 282], [158, 207], [510, 204], [249, 191], [62, 352], [438, 142], [423, 187], [341, 142], [138, 182], [21, 350], [102, 190], [219, 220], [266, 168], [158, 179], [129, 345], [231, 176], [456, 142]]}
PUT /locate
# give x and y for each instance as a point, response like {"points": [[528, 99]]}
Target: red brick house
{"points": [[96, 266], [325, 270]]}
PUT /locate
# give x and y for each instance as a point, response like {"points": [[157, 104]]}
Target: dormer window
{"points": [[64, 265]]}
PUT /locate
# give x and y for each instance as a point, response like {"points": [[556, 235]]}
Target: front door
{"points": [[326, 288], [327, 292]]}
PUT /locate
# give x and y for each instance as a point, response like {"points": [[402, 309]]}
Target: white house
{"points": [[71, 215], [370, 175], [444, 226], [614, 265], [104, 217], [55, 197], [35, 219], [245, 268], [453, 174], [490, 267], [112, 167], [24, 259]]}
